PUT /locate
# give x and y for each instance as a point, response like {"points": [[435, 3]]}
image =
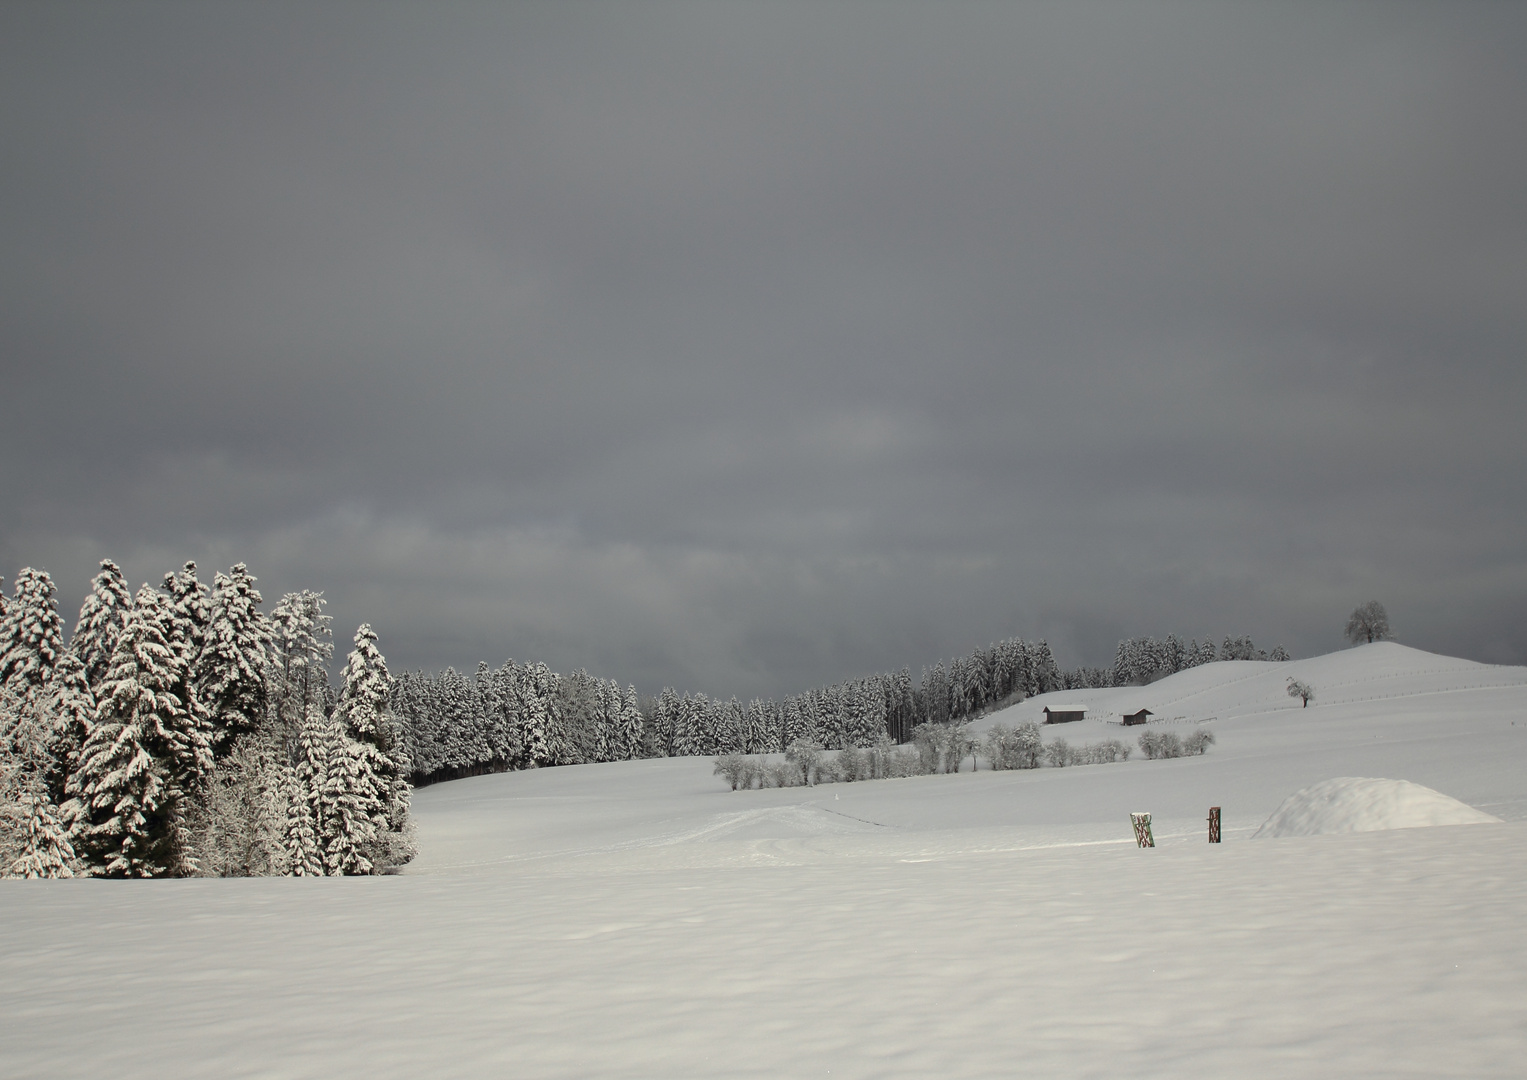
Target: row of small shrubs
{"points": [[1058, 754], [940, 748], [1166, 744], [808, 763]]}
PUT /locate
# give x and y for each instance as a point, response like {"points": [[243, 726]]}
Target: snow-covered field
{"points": [[638, 920]]}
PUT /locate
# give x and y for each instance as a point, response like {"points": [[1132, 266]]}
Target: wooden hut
{"points": [[1141, 717], [1063, 716]]}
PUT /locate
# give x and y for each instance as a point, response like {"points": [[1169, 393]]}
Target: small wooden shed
{"points": [[1063, 716], [1141, 717]]}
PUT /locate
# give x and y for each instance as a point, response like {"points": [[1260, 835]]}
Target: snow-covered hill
{"points": [[641, 920]]}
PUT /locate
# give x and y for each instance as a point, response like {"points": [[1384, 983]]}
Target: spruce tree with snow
{"points": [[303, 858], [72, 706], [31, 636], [373, 757], [536, 713], [301, 645], [183, 618], [34, 841], [308, 778], [665, 714], [352, 802], [191, 612], [231, 670], [630, 729], [42, 842], [100, 621], [126, 817], [179, 736]]}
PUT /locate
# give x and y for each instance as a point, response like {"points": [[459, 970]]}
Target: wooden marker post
{"points": [[1142, 824], [1213, 824]]}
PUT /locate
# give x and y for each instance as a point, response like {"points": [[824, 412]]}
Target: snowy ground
{"points": [[638, 920]]}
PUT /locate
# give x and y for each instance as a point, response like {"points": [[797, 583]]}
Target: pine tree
{"points": [[184, 620], [231, 668], [301, 646], [536, 713], [72, 706], [630, 726], [177, 736], [125, 820], [309, 777], [31, 636], [101, 618], [373, 757], [44, 850], [303, 858], [33, 840], [351, 803]]}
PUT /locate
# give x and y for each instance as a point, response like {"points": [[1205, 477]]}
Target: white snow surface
{"points": [[1367, 804], [640, 920]]}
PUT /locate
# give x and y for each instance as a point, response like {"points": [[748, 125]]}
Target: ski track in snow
{"points": [[639, 920]]}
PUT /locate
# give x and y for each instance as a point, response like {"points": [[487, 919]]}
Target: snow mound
{"points": [[1366, 804]]}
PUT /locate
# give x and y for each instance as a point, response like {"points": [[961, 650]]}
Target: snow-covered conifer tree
{"points": [[630, 740], [376, 757], [231, 668], [351, 802], [301, 645], [31, 636], [101, 618], [303, 859], [191, 610], [72, 706], [34, 841], [666, 718], [536, 713], [177, 736], [308, 778], [125, 820]]}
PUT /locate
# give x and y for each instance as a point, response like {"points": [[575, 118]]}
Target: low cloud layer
{"points": [[741, 349]]}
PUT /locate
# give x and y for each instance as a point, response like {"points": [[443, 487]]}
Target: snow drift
{"points": [[1366, 804]]}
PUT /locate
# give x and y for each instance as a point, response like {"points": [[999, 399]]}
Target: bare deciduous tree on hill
{"points": [[1369, 623]]}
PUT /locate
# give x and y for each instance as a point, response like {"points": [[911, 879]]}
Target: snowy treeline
{"points": [[526, 716], [513, 717], [860, 712], [182, 731], [1142, 660]]}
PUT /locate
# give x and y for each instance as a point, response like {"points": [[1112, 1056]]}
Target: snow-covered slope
{"points": [[640, 920]]}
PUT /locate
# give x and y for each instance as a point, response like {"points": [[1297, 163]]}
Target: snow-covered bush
{"points": [[1058, 754], [1198, 742], [732, 768], [782, 774], [1166, 744], [941, 747], [852, 765], [1013, 748], [805, 755], [901, 761]]}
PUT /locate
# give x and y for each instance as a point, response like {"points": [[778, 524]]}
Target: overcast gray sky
{"points": [[746, 347]]}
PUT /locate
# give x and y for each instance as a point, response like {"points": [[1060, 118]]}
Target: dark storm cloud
{"points": [[747, 347]]}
